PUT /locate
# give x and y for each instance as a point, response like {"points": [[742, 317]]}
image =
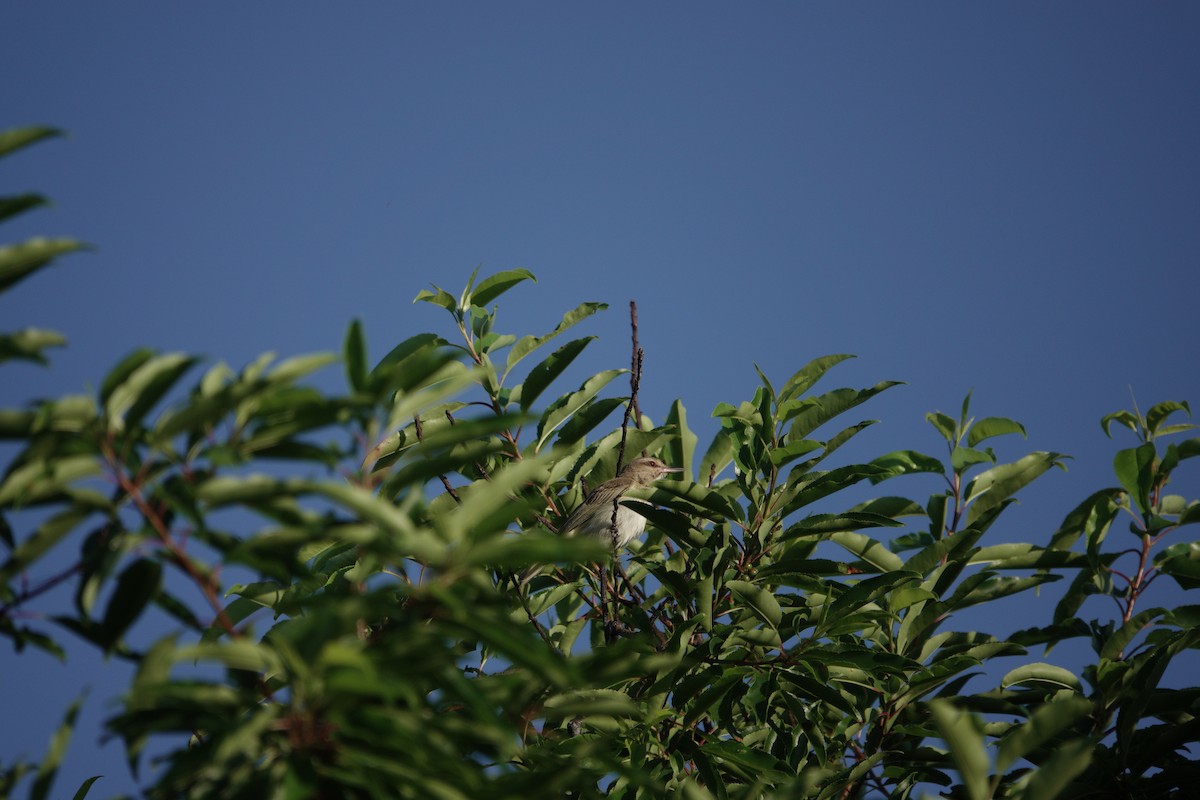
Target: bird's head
{"points": [[645, 471]]}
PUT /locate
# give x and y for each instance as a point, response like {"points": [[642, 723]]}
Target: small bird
{"points": [[594, 517]]}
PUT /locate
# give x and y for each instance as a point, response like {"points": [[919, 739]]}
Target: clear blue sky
{"points": [[1003, 197]]}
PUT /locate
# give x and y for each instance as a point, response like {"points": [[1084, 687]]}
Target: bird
{"points": [[594, 517]]}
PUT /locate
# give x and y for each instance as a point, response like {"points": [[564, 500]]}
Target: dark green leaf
{"points": [[550, 368], [988, 427], [905, 462], [1135, 471], [808, 375], [14, 139], [137, 586], [1159, 413], [527, 344], [19, 261], [48, 769], [492, 287], [28, 344], [354, 353], [991, 488], [758, 599]]}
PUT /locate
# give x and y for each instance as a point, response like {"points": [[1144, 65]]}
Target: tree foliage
{"points": [[336, 569]]}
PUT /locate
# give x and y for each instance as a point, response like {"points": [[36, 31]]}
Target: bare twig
{"points": [[635, 362]]}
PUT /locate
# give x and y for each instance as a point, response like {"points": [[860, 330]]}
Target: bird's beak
{"points": [[672, 469]]}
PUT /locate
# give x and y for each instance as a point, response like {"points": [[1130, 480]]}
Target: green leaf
{"points": [[491, 288], [991, 488], [718, 506], [989, 427], [144, 387], [1135, 471], [868, 591], [716, 457], [296, 367], [86, 787], [40, 479], [19, 261], [963, 458], [48, 769], [809, 414], [964, 736], [1115, 645], [906, 462], [28, 344], [527, 344], [1126, 418], [14, 139], [46, 536], [682, 446], [1159, 413], [1041, 673], [564, 407], [19, 204], [808, 375], [759, 600], [868, 550], [550, 368], [1054, 776], [438, 297], [354, 353], [587, 418], [944, 425], [137, 586], [1182, 562], [1043, 726]]}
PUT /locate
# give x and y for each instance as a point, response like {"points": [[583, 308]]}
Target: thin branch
{"points": [[635, 361]]}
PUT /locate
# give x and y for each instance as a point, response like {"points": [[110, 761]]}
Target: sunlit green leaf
{"points": [[988, 427], [991, 488], [550, 368], [19, 261]]}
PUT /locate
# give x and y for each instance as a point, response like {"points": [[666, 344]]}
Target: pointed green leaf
{"points": [[14, 139], [989, 427], [1135, 471], [19, 204], [906, 462], [137, 586], [808, 375], [491, 288], [28, 344], [1043, 726], [1041, 673], [809, 414], [354, 353], [527, 344], [564, 407], [1116, 644], [991, 488], [144, 387], [438, 297], [19, 261], [758, 599], [964, 736], [869, 550], [944, 425], [550, 368], [48, 769], [587, 419], [1159, 413]]}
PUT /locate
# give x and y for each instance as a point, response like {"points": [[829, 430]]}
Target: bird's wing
{"points": [[604, 494]]}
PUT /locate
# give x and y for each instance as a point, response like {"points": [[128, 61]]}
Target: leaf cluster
{"points": [[768, 637]]}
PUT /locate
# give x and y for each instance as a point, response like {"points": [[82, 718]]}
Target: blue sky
{"points": [[1000, 197]]}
